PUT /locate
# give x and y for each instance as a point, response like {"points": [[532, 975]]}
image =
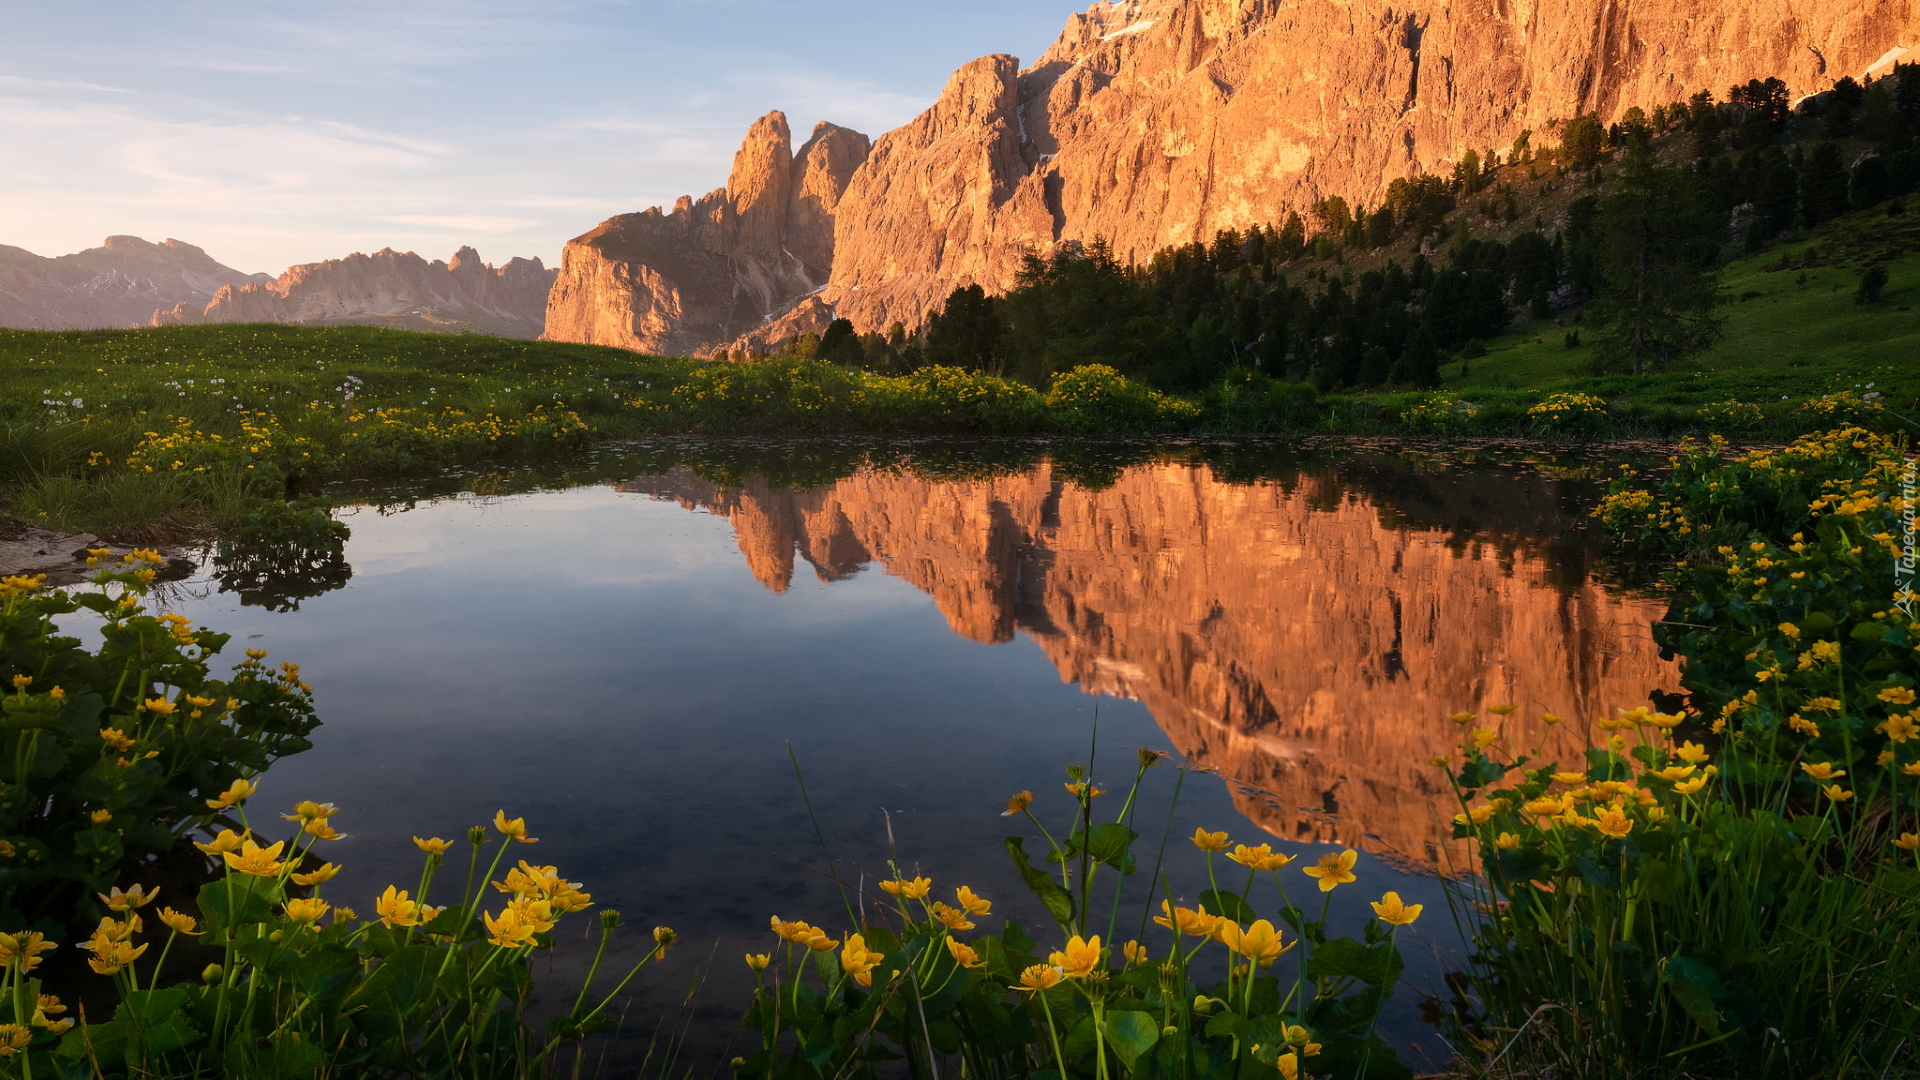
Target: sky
{"points": [[274, 133]]}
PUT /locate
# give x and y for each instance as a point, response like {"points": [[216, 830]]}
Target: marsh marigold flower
{"points": [[24, 949], [1209, 841], [1258, 858], [1612, 821], [759, 961], [1091, 792], [305, 909], [1389, 909], [432, 845], [964, 954], [1908, 842], [513, 828], [1135, 952], [1822, 770], [1080, 957], [1289, 1065], [913, 889], [1018, 803], [1900, 728], [1506, 841], [1259, 943], [133, 897], [1897, 695], [256, 860], [1689, 787], [1191, 922], [1334, 868], [179, 923], [859, 961], [971, 903], [237, 792], [1836, 793], [1039, 977], [396, 911], [320, 876]]}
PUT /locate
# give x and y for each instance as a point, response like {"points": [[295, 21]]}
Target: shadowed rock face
{"points": [[718, 268], [389, 286], [1302, 638], [1157, 122]]}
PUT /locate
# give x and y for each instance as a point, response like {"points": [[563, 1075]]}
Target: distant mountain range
{"points": [[128, 281]]}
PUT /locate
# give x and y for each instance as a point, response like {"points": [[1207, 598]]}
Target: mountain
{"points": [[119, 283], [717, 268], [1305, 638], [1151, 123], [387, 288]]}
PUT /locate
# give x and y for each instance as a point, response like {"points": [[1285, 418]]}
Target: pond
{"points": [[642, 651]]}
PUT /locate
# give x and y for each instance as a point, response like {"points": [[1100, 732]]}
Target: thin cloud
{"points": [[59, 84]]}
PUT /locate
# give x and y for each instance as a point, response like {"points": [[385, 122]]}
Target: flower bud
{"points": [[610, 919], [477, 835], [212, 973]]}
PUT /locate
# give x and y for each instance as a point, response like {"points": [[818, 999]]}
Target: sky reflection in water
{"points": [[628, 675]]}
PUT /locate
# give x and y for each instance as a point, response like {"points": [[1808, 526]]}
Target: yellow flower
{"points": [[914, 889], [1461, 718], [663, 936], [24, 949], [395, 910], [971, 903], [1192, 922], [1259, 943], [13, 1039], [1079, 959], [859, 961], [1675, 773], [1502, 710], [1822, 770], [505, 932], [256, 860], [308, 810], [238, 792], [1900, 728], [1018, 803], [1570, 777], [1692, 753], [964, 954], [1613, 821], [515, 828], [134, 897], [1390, 910], [953, 918], [1334, 869], [1908, 842], [1896, 695], [759, 961], [179, 923], [1478, 815], [1549, 719], [101, 817], [1289, 1065], [159, 705], [306, 909], [1039, 977], [320, 876], [1135, 952], [1689, 787], [228, 840], [1258, 858], [1506, 841], [1836, 793], [116, 739], [1076, 790], [1484, 737], [1911, 768], [1209, 841], [110, 956], [432, 846]]}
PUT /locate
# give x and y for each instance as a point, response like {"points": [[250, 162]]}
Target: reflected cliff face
{"points": [[1304, 635]]}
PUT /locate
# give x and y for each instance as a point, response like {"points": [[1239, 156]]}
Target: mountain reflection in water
{"points": [[1303, 636]]}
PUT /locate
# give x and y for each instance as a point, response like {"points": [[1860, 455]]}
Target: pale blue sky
{"points": [[273, 133]]}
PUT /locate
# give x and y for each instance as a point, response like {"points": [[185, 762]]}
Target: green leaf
{"points": [[326, 974], [396, 988], [1111, 844], [1695, 986], [240, 898], [1058, 903], [1375, 965], [150, 1006], [1131, 1034], [103, 1044], [1226, 1023], [1227, 904]]}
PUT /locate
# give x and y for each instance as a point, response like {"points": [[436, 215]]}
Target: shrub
{"points": [[1842, 407], [1438, 412], [116, 750], [950, 398], [1730, 415], [281, 552], [1096, 397], [1568, 413]]}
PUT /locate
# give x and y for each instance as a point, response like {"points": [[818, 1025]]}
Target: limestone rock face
{"points": [[1304, 638], [717, 268], [1157, 122], [388, 288], [120, 283]]}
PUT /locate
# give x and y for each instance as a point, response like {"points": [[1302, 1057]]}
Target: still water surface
{"points": [[625, 656]]}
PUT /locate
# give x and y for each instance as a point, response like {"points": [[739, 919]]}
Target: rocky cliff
{"points": [[119, 283], [1158, 122], [388, 288], [714, 269], [1304, 638]]}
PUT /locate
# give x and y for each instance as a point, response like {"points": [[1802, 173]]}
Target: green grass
{"points": [[1792, 332]]}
